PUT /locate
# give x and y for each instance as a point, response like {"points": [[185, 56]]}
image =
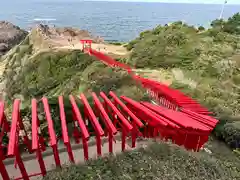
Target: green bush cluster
{"points": [[229, 132], [180, 45], [158, 161], [61, 72], [224, 108], [166, 47], [116, 43], [54, 73], [201, 28], [230, 26], [209, 57]]}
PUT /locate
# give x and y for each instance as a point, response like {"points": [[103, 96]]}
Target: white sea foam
{"points": [[44, 19]]}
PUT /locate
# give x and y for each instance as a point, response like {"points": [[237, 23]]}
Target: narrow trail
{"points": [[2, 67], [105, 48], [159, 75]]}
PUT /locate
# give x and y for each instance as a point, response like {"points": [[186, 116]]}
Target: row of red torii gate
{"points": [[174, 116]]}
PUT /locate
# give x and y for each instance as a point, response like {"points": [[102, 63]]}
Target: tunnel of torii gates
{"points": [[174, 116]]}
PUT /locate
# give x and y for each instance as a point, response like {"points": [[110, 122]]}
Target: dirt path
{"points": [[32, 165], [105, 48], [159, 75], [2, 67]]}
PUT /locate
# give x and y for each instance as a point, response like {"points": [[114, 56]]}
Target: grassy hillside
{"points": [[52, 72], [159, 161], [208, 58], [31, 72]]}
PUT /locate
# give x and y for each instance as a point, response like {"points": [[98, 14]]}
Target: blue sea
{"points": [[114, 21]]}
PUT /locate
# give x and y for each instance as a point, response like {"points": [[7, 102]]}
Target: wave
{"points": [[44, 19]]}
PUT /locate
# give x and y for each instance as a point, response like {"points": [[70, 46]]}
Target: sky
{"points": [[166, 1], [185, 1]]}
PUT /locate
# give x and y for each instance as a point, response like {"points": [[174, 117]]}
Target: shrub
{"points": [[229, 131], [225, 108], [26, 41], [230, 26], [116, 43], [231, 134], [218, 23], [159, 161], [54, 73], [212, 55], [25, 49], [131, 44], [144, 33], [201, 28], [236, 79]]}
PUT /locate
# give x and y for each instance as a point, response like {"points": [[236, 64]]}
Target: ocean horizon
{"points": [[114, 21]]}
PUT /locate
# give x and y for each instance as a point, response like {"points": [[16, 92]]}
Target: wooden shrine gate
{"points": [[164, 95], [177, 117], [107, 116], [86, 44]]}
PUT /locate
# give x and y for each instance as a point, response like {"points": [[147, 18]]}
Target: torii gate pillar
{"points": [[86, 43]]}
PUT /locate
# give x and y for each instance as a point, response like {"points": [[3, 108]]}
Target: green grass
{"points": [[117, 43], [158, 161], [51, 73], [209, 58]]}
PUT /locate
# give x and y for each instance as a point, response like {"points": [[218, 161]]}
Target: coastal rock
{"points": [[10, 35], [56, 33], [3, 48]]}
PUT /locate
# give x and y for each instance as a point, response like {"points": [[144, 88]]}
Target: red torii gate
{"points": [[86, 43], [123, 114], [189, 127], [164, 95]]}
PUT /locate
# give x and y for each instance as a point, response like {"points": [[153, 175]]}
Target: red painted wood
{"points": [[65, 136], [35, 143], [1, 114], [21, 166], [63, 120], [13, 133], [107, 121], [98, 129], [53, 139], [41, 162], [79, 118], [84, 131], [3, 170], [186, 128], [147, 112], [110, 61], [126, 109], [52, 134], [123, 120], [179, 118]]}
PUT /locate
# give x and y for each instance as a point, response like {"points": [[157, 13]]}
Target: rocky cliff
{"points": [[39, 66], [10, 35]]}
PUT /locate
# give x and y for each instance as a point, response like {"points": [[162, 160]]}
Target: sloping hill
{"points": [[37, 67], [203, 64], [208, 58], [158, 161], [32, 69]]}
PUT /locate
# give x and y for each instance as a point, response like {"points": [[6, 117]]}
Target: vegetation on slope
{"points": [[158, 161], [33, 73], [210, 58], [53, 72], [230, 26]]}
